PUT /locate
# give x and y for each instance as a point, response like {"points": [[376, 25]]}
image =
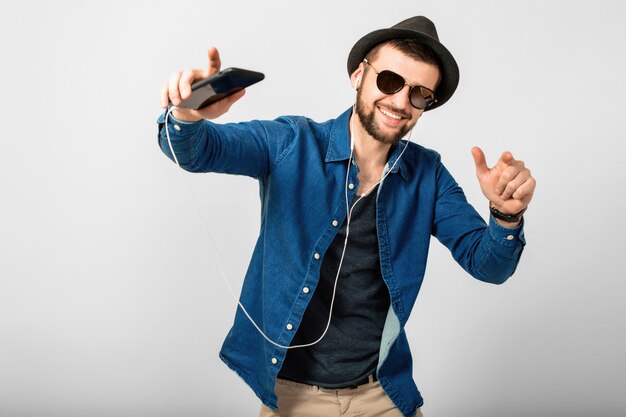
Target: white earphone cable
{"points": [[345, 245]]}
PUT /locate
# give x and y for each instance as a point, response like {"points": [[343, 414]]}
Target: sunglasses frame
{"points": [[430, 103]]}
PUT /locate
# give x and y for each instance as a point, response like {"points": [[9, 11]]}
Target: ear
{"points": [[356, 76]]}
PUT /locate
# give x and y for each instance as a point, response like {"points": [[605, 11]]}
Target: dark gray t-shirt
{"points": [[349, 351]]}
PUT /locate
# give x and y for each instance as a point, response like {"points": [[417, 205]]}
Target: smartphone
{"points": [[220, 85]]}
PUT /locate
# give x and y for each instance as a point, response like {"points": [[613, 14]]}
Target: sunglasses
{"points": [[388, 82]]}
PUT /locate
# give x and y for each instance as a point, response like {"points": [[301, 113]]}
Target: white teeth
{"points": [[386, 113]]}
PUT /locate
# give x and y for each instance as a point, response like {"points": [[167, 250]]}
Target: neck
{"points": [[369, 153]]}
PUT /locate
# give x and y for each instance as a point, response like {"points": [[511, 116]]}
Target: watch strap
{"points": [[509, 218]]}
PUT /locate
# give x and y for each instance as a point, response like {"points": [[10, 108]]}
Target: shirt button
{"points": [[316, 256], [335, 223], [289, 326], [274, 361], [305, 290], [510, 237], [176, 127], [351, 186]]}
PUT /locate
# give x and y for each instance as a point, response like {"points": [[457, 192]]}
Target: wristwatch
{"points": [[510, 218]]}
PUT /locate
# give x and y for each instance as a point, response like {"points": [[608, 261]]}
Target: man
{"points": [[348, 209]]}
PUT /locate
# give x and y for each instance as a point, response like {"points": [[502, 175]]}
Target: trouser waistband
{"points": [[363, 381]]}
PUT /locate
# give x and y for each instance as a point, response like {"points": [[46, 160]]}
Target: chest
{"points": [[368, 178]]}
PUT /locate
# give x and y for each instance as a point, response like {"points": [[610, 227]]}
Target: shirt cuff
{"points": [[178, 128], [507, 236]]}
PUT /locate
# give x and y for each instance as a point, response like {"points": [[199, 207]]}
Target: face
{"points": [[388, 117]]}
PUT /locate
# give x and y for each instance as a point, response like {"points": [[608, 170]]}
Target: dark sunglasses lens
{"points": [[422, 97], [389, 82]]}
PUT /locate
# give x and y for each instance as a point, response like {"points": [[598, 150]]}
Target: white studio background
{"points": [[111, 302]]}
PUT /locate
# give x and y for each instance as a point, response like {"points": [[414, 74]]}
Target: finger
{"points": [[479, 161], [505, 159], [163, 95], [515, 183], [508, 174], [186, 79], [173, 91], [525, 190], [215, 63]]}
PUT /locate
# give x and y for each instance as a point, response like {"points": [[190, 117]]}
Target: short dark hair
{"points": [[411, 48]]}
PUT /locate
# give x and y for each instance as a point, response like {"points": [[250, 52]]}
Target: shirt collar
{"points": [[339, 145]]}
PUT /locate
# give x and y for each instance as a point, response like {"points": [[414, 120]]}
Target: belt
{"points": [[363, 381], [366, 380]]}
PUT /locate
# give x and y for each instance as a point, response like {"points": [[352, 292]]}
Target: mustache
{"points": [[394, 109]]}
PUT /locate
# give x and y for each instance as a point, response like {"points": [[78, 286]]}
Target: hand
{"points": [[508, 185], [178, 88]]}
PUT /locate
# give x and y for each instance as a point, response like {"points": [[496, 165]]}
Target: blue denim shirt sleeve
{"points": [[250, 148], [489, 252]]}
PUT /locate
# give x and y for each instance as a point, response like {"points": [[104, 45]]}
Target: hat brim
{"points": [[447, 64]]}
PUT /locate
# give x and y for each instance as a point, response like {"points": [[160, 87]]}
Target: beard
{"points": [[372, 128]]}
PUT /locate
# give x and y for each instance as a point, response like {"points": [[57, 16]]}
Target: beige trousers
{"points": [[300, 400]]}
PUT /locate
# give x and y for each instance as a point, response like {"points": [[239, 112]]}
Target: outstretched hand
{"points": [[508, 184], [178, 88]]}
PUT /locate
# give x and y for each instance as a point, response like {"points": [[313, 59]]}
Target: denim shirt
{"points": [[301, 168]]}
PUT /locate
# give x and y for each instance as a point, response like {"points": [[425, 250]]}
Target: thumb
{"points": [[221, 106], [479, 160], [215, 62], [230, 100]]}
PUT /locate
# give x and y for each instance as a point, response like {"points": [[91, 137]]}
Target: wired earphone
{"points": [[357, 83], [345, 244]]}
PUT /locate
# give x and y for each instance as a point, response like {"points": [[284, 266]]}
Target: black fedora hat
{"points": [[423, 30]]}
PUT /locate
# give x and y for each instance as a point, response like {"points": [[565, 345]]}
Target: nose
{"points": [[401, 99]]}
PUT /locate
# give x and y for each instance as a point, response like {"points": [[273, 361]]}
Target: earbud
{"points": [[357, 83]]}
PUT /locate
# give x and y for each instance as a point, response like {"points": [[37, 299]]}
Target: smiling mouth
{"points": [[392, 115]]}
